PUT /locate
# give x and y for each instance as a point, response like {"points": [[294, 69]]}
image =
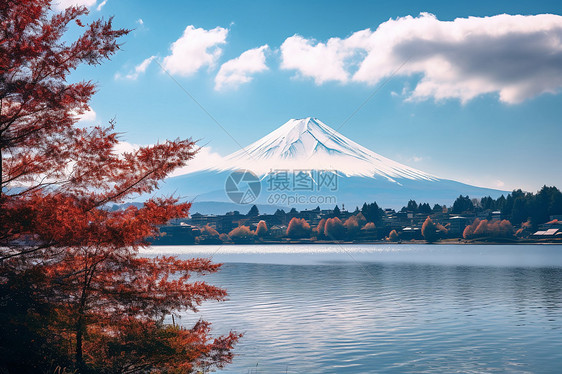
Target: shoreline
{"points": [[378, 242]]}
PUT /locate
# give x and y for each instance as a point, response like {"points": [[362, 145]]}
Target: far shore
{"points": [[482, 241]]}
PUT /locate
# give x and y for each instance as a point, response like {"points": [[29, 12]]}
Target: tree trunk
{"points": [[81, 323], [78, 354]]}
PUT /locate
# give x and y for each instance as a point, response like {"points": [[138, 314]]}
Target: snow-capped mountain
{"points": [[312, 146]]}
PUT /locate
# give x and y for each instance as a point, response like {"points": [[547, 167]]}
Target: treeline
{"points": [[524, 211], [488, 229], [518, 207], [423, 208], [332, 228]]}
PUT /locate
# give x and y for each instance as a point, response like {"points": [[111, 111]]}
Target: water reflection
{"points": [[419, 310]]}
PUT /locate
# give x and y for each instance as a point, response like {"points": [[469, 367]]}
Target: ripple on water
{"points": [[410, 309]]}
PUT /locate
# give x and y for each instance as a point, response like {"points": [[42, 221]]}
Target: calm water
{"points": [[388, 308]]}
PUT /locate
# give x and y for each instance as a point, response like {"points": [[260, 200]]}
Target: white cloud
{"points": [[204, 159], [88, 116], [101, 5], [196, 48], [140, 21], [138, 70], [123, 147], [499, 183], [321, 61], [63, 4], [239, 70], [516, 57]]}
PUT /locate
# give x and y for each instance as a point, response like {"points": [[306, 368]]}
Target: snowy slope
{"points": [[311, 144]]}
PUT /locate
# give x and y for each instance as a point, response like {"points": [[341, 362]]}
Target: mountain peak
{"points": [[302, 122], [308, 143]]}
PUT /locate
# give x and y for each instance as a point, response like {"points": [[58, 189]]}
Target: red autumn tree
{"points": [[241, 234], [261, 229], [429, 231], [319, 229], [334, 229], [73, 292], [469, 230], [369, 226], [361, 219], [209, 231], [298, 228], [351, 226], [488, 229], [393, 236], [209, 235]]}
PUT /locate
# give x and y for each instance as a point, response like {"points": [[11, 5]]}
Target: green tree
{"points": [[488, 203], [253, 212], [555, 202], [547, 202], [412, 206], [424, 209], [336, 212], [372, 212], [500, 203], [462, 204], [509, 201], [519, 211]]}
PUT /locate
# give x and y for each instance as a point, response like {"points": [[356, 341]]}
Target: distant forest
{"points": [[513, 217], [518, 207]]}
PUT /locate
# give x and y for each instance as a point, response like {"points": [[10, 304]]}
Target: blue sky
{"points": [[476, 100]]}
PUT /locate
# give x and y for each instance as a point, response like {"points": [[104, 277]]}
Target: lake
{"points": [[387, 308]]}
